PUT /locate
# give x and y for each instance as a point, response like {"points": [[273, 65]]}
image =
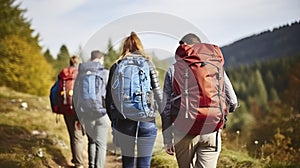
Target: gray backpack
{"points": [[90, 90]]}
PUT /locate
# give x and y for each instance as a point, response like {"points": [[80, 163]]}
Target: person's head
{"points": [[132, 44], [97, 55], [74, 61], [190, 39]]}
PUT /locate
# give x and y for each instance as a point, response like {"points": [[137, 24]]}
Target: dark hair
{"points": [[190, 39], [96, 54]]}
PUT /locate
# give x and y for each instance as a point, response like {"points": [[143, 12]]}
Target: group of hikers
{"points": [[196, 98]]}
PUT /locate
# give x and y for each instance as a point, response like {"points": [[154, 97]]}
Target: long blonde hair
{"points": [[133, 45]]}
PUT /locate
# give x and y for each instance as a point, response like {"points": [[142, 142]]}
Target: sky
{"points": [[160, 23]]}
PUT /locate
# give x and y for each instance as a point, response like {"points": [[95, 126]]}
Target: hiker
{"points": [[194, 104], [89, 95], [133, 93], [73, 125]]}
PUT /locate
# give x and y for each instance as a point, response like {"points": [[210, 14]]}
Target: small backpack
{"points": [[131, 89], [199, 82], [61, 93], [54, 97], [90, 90]]}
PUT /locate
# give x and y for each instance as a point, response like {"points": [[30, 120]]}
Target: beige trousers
{"points": [[201, 151]]}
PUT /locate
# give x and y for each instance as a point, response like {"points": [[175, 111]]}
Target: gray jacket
{"points": [[168, 94]]}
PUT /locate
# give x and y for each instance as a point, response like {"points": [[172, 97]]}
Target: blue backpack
{"points": [[131, 89], [90, 90], [54, 93]]}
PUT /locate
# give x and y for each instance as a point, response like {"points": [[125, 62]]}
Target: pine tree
{"points": [[292, 93], [22, 66], [49, 57], [111, 56], [274, 95], [63, 57], [13, 22], [261, 95]]}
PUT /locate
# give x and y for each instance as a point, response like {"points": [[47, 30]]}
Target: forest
{"points": [[266, 124]]}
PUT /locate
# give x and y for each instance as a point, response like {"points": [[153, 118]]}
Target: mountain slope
{"points": [[280, 42]]}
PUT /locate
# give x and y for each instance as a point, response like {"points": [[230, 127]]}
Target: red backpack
{"points": [[66, 80], [199, 82]]}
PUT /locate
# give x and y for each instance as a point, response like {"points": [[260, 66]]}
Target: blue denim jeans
{"points": [[97, 131], [141, 134]]}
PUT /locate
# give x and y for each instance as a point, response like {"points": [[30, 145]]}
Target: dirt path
{"points": [[113, 161]]}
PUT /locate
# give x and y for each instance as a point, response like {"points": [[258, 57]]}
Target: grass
{"points": [[163, 160], [26, 132], [238, 159], [228, 159]]}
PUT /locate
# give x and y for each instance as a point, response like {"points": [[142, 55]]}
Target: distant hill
{"points": [[279, 42]]}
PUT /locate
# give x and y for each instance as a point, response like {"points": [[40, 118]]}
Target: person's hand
{"points": [[169, 148], [77, 125]]}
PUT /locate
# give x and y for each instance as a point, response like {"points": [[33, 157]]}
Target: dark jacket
{"points": [[111, 111]]}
